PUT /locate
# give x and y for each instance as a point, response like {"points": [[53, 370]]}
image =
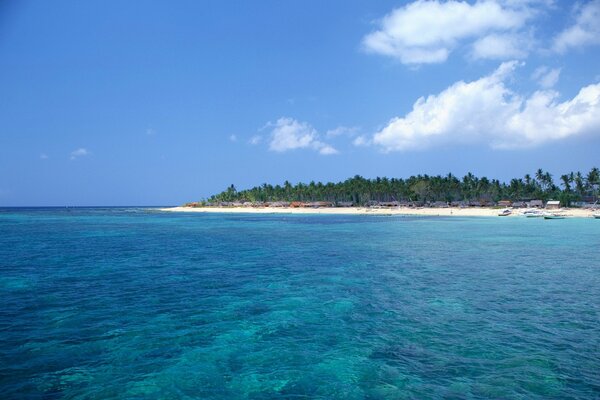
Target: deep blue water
{"points": [[131, 303]]}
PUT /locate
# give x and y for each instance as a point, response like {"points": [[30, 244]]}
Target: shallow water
{"points": [[132, 303]]}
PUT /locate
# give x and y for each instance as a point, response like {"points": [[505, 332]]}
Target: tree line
{"points": [[572, 187]]}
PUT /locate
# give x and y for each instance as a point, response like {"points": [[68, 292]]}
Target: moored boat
{"points": [[596, 216], [533, 214], [504, 213], [554, 216]]}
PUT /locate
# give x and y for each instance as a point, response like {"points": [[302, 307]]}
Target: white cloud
{"points": [[326, 149], [502, 46], [341, 130], [290, 134], [233, 138], [80, 152], [150, 132], [428, 31], [546, 77], [544, 119], [361, 141], [487, 111], [585, 31], [254, 140]]}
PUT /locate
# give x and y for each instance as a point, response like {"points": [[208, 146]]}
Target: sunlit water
{"points": [[131, 303]]}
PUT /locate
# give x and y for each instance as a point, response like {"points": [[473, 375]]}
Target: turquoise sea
{"points": [[131, 303]]}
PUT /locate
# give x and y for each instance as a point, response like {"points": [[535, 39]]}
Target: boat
{"points": [[597, 215], [533, 213], [504, 213], [554, 216]]}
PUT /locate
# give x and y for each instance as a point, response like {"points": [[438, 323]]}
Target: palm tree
{"points": [[579, 184], [593, 181], [566, 182]]}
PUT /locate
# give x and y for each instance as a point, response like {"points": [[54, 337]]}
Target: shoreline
{"points": [[432, 212]]}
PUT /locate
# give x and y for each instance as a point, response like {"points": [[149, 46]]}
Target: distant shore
{"points": [[450, 211]]}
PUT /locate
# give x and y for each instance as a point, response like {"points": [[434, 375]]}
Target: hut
{"points": [[344, 204], [279, 204], [504, 203], [553, 204], [535, 204], [296, 204]]}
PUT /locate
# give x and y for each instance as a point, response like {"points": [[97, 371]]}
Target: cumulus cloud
{"points": [[80, 152], [427, 31], [584, 31], [290, 134], [546, 77], [487, 111]]}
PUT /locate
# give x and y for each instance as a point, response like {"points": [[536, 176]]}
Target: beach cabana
{"points": [[553, 204]]}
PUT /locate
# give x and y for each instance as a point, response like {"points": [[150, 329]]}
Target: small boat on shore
{"points": [[554, 216], [533, 214], [596, 216], [504, 213]]}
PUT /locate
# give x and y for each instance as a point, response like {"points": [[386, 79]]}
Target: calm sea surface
{"points": [[132, 303]]}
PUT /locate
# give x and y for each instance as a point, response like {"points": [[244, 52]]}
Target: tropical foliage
{"points": [[424, 188]]}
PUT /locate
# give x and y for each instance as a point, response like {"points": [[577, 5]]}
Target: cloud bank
{"points": [[427, 31], [487, 111]]}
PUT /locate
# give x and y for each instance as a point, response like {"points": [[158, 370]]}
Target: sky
{"points": [[160, 103]]}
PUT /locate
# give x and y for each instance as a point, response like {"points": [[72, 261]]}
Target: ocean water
{"points": [[138, 304]]}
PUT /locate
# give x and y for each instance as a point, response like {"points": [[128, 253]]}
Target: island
{"points": [[577, 196]]}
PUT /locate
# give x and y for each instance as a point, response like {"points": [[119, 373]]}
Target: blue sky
{"points": [[149, 103]]}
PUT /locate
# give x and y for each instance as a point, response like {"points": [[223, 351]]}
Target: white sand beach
{"points": [[450, 211]]}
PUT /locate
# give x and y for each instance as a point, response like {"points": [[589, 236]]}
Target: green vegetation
{"points": [[574, 187]]}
